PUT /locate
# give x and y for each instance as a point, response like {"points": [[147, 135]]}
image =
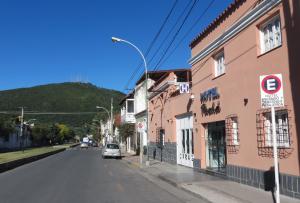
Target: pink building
{"points": [[169, 113], [231, 131]]}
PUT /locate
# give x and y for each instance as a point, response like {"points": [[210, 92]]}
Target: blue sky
{"points": [[52, 41]]}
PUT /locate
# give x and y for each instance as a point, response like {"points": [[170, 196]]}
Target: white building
{"points": [[127, 116]]}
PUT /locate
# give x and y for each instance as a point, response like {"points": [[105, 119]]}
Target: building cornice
{"points": [[162, 88], [236, 28]]}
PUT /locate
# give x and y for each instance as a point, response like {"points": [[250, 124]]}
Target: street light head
{"points": [[115, 39]]}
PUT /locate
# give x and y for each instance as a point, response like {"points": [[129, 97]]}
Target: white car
{"points": [[111, 150], [84, 145]]}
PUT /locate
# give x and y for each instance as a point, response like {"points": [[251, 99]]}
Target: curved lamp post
{"points": [[115, 39], [109, 118]]}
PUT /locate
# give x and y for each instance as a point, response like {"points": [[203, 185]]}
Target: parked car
{"points": [[84, 145], [95, 144], [111, 150]]}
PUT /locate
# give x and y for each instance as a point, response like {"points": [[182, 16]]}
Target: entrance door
{"points": [[185, 141], [216, 145]]}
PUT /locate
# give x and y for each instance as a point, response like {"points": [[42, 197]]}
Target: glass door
{"points": [[216, 145]]}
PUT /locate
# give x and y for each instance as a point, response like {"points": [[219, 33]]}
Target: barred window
{"points": [[282, 129], [232, 132]]}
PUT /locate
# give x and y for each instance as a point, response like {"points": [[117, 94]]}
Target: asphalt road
{"points": [[83, 176]]}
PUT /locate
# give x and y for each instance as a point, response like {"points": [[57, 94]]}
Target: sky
{"points": [[54, 41]]}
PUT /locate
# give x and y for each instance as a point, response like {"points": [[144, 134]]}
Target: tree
{"points": [[40, 134], [6, 128], [126, 130]]}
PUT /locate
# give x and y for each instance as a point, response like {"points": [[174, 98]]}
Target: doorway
{"points": [[216, 146], [185, 141]]}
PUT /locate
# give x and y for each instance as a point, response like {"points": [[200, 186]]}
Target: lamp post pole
{"points": [[109, 117], [115, 39]]}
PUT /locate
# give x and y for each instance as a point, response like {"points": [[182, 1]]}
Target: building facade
{"points": [[169, 115], [127, 116], [232, 131]]}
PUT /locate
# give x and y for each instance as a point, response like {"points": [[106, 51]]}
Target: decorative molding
{"points": [[236, 28]]}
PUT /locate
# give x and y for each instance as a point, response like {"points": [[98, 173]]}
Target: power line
{"points": [[169, 33], [152, 43], [189, 31], [173, 39], [51, 113]]}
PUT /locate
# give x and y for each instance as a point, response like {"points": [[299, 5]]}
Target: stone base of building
{"points": [[166, 154], [289, 184]]}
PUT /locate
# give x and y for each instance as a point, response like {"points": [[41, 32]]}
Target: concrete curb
{"points": [[16, 163], [131, 163], [175, 184]]}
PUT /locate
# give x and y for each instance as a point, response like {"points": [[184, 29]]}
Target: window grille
{"points": [[265, 136], [232, 131]]}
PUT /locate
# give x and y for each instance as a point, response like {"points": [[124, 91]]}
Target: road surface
{"points": [[79, 175]]}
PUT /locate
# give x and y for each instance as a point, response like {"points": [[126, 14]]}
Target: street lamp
{"points": [[109, 118], [28, 122], [115, 39]]}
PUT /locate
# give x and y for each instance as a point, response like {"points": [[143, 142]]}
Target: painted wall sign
{"points": [[215, 108], [271, 91], [209, 95]]}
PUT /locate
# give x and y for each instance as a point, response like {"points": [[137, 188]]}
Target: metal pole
{"points": [[275, 155], [114, 39], [111, 119], [21, 127]]}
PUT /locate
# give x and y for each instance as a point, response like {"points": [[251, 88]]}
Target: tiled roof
{"points": [[230, 9]]}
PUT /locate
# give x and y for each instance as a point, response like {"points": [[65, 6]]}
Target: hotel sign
{"points": [[184, 87], [271, 91]]}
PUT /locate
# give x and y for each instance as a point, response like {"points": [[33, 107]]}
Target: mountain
{"points": [[61, 97]]}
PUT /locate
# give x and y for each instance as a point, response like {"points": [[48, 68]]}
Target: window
{"points": [[270, 33], [130, 106], [219, 64], [282, 129], [192, 133], [188, 140], [232, 131]]}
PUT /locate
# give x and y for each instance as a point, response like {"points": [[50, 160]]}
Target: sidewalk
{"points": [[207, 187]]}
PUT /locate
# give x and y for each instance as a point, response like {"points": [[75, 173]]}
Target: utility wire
{"points": [[169, 33], [152, 43], [189, 31], [174, 37], [50, 113]]}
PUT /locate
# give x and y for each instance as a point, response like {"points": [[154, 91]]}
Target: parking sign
{"points": [[271, 91]]}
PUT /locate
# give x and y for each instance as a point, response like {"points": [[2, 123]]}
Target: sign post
{"points": [[140, 130], [272, 96]]}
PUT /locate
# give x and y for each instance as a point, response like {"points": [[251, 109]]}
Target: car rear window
{"points": [[112, 146]]}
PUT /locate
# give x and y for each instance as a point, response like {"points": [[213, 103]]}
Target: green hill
{"points": [[62, 97]]}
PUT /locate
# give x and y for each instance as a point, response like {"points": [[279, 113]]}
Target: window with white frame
{"points": [[282, 129], [130, 106], [219, 64], [270, 34]]}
